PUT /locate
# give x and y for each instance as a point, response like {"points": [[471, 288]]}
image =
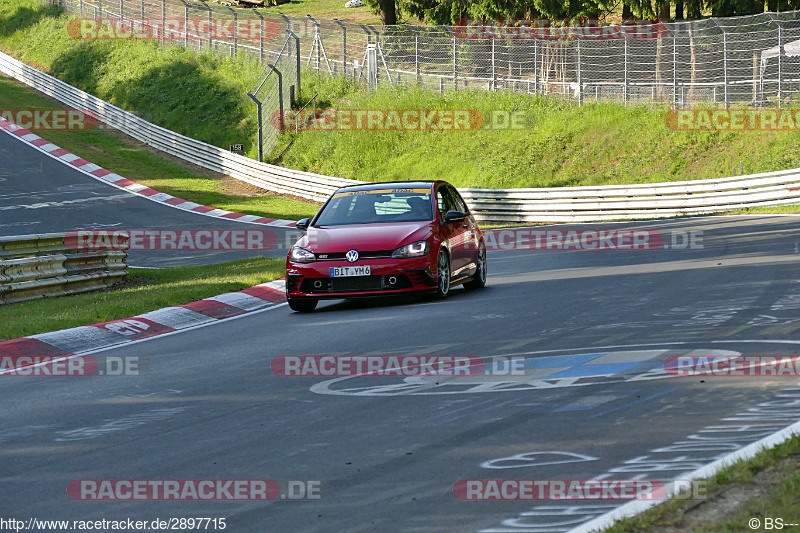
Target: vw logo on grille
{"points": [[352, 256]]}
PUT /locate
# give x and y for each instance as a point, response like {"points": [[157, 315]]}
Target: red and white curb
{"points": [[85, 339], [101, 174]]}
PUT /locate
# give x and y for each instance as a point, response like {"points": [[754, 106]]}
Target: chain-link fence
{"points": [[196, 25], [752, 60], [275, 92]]}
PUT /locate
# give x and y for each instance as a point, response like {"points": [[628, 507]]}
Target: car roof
{"points": [[397, 184]]}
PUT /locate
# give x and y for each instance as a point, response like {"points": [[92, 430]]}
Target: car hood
{"points": [[364, 237]]}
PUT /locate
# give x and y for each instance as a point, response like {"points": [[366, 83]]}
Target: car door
{"points": [[458, 234], [468, 232]]}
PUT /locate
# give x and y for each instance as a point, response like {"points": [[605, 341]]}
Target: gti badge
{"points": [[352, 256]]}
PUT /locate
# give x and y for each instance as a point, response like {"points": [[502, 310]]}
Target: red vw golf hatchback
{"points": [[386, 238]]}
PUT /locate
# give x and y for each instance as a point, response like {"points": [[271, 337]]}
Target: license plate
{"points": [[349, 272]]}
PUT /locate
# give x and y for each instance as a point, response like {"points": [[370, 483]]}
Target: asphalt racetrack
{"points": [[592, 330], [39, 194]]}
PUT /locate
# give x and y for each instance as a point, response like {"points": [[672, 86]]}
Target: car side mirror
{"points": [[454, 216], [303, 224]]}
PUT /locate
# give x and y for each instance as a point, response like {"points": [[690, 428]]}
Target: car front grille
{"points": [[354, 284]]}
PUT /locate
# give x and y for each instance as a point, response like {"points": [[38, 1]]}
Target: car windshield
{"points": [[377, 205]]}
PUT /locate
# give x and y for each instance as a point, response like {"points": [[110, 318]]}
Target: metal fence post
{"points": [[100, 3], [260, 36], [780, 69], [142, 11], [210, 27], [416, 59], [121, 9], [281, 124], [235, 50], [260, 128], [378, 52], [297, 57], [286, 20], [536, 66], [344, 44], [625, 69], [674, 68], [163, 21], [372, 66], [185, 24], [494, 66], [725, 65], [455, 64], [317, 40], [580, 81]]}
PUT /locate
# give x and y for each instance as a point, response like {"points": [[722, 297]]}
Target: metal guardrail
{"points": [[613, 202], [46, 265], [567, 204]]}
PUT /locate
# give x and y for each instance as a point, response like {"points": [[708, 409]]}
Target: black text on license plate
{"points": [[350, 271]]}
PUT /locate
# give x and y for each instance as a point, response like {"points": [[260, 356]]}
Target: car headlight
{"points": [[301, 255], [415, 249]]}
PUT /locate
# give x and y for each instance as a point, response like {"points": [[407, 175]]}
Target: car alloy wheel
{"points": [[479, 279], [443, 274]]}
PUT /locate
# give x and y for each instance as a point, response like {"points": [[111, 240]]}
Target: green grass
{"points": [[148, 290], [564, 145], [198, 94], [140, 164], [327, 9], [780, 461], [203, 95]]}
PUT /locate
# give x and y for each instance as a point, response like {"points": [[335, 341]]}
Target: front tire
{"points": [[302, 305], [478, 281], [442, 275]]}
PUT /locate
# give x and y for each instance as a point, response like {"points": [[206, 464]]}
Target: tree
{"points": [[445, 12], [387, 10]]}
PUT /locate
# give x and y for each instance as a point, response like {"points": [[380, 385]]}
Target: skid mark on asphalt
{"points": [[119, 424], [634, 402]]}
